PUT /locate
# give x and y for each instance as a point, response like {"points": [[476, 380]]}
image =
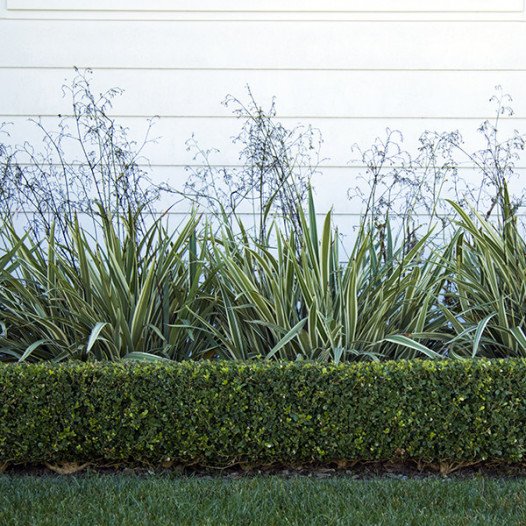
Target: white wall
{"points": [[349, 67]]}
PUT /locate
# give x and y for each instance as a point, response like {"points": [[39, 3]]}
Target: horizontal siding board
{"points": [[297, 17], [390, 94], [333, 189], [308, 45], [269, 5], [339, 135]]}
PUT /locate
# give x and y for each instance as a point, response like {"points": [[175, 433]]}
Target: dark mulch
{"points": [[358, 471]]}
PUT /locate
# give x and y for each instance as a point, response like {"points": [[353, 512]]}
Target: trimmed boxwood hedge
{"points": [[259, 413]]}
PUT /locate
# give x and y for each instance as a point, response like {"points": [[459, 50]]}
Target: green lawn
{"points": [[97, 500]]}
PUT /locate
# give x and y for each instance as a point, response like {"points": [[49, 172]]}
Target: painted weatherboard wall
{"points": [[349, 67]]}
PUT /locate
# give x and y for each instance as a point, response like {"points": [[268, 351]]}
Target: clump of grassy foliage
{"points": [[125, 286], [107, 298], [199, 294]]}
